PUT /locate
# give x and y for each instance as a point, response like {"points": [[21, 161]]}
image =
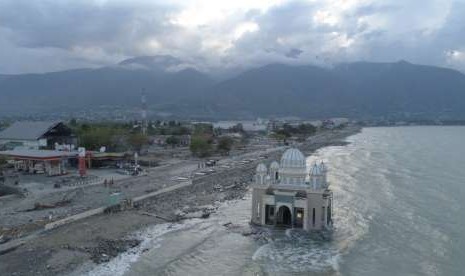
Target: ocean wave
{"points": [[150, 237]]}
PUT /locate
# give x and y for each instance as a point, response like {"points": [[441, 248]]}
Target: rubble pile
{"points": [[219, 187], [106, 249]]}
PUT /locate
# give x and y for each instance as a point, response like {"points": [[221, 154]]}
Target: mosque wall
{"points": [[304, 204]]}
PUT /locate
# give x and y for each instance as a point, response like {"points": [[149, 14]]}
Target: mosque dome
{"points": [[274, 166], [293, 158], [261, 169]]}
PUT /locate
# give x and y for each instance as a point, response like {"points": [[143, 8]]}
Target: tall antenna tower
{"points": [[143, 112]]}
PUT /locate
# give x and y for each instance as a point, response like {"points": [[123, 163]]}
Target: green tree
{"points": [[137, 140], [73, 122], [225, 144], [94, 138], [200, 146], [200, 129], [306, 129], [2, 160], [286, 133], [172, 140], [279, 137], [4, 125], [85, 127], [237, 128], [179, 130]]}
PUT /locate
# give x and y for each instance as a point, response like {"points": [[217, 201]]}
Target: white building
{"points": [[286, 195], [36, 135], [257, 125]]}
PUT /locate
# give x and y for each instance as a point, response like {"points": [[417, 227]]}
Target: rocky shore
{"points": [[98, 239]]}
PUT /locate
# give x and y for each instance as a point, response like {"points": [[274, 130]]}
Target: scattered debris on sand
{"points": [[83, 239], [42, 206], [106, 249], [157, 216]]}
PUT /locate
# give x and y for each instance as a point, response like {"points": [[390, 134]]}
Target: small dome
{"points": [[274, 165], [293, 158], [261, 169]]}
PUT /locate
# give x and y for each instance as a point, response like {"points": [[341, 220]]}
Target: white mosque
{"points": [[285, 195]]}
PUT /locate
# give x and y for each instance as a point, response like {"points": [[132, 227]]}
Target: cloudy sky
{"points": [[51, 35]]}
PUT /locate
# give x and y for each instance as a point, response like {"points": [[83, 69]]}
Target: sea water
{"points": [[399, 209]]}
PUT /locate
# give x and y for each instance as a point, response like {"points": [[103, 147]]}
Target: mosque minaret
{"points": [[286, 195]]}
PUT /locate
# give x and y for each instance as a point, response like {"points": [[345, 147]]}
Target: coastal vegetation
{"points": [[200, 146], [3, 161], [202, 140], [225, 145], [287, 131], [95, 135]]}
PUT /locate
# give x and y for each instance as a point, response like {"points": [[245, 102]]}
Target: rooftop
{"points": [[27, 130], [39, 154]]}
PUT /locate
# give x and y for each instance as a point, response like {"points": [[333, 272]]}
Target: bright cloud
{"points": [[246, 27], [215, 35], [325, 17]]}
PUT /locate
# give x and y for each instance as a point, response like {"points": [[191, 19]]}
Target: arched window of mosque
{"points": [[276, 175], [313, 217]]}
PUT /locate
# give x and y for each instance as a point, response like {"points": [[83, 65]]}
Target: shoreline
{"points": [[102, 237]]}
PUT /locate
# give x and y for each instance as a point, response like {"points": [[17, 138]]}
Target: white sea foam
{"points": [[150, 237], [296, 255], [387, 206]]}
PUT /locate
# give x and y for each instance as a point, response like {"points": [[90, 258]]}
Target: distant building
{"points": [[250, 126], [57, 162], [161, 140], [36, 135], [49, 162], [335, 122], [285, 196]]}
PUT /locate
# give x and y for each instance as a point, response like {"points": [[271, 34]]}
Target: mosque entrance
{"points": [[284, 217]]}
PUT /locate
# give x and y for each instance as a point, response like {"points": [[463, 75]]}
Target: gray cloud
{"points": [[294, 53], [64, 24], [48, 35]]}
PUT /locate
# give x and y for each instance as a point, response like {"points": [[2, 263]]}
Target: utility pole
{"points": [[144, 124]]}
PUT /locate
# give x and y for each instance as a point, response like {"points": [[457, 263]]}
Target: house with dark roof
{"points": [[36, 135]]}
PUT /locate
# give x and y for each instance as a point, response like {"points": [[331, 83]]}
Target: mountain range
{"points": [[358, 90]]}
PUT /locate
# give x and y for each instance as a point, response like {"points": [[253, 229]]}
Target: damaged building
{"points": [[286, 195], [36, 135]]}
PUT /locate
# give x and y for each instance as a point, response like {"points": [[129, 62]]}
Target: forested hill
{"points": [[357, 90]]}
